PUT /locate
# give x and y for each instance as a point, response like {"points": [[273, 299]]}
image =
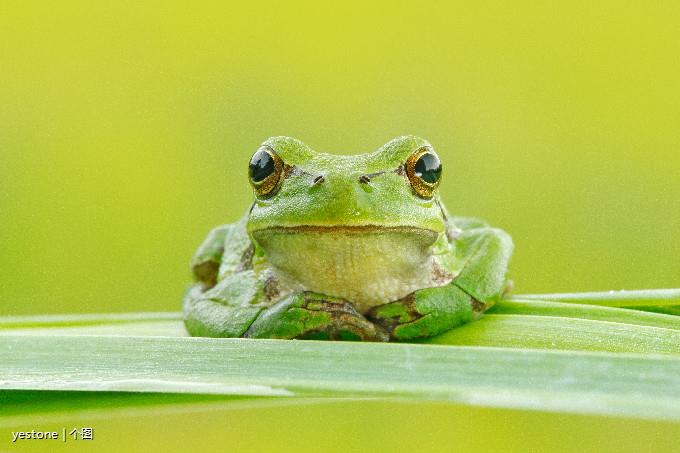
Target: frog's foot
{"points": [[315, 316], [345, 324], [426, 312]]}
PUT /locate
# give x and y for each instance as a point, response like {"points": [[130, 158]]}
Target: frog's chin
{"points": [[368, 265]]}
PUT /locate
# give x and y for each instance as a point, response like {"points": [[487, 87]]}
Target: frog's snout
{"points": [[364, 180]]}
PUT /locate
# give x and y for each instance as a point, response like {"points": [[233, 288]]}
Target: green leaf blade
{"points": [[592, 312], [550, 332], [623, 298], [598, 383]]}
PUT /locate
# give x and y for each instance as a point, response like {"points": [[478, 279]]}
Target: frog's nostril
{"points": [[318, 180]]}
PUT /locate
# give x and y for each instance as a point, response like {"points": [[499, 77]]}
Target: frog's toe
{"points": [[426, 313], [313, 316], [345, 323], [391, 315]]}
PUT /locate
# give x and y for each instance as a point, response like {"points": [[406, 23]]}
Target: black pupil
{"points": [[429, 168], [261, 166]]}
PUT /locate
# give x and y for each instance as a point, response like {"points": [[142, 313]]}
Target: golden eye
{"points": [[265, 171], [424, 171]]}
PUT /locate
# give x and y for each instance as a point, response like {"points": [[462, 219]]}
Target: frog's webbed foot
{"points": [[315, 316], [345, 324], [426, 312]]}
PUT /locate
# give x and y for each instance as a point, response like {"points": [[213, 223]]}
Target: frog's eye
{"points": [[424, 171], [265, 170]]}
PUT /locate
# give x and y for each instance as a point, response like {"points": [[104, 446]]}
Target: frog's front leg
{"points": [[479, 254], [424, 313]]}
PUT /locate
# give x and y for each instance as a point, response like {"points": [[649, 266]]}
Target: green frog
{"points": [[345, 248]]}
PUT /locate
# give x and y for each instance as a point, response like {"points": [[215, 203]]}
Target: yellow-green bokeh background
{"points": [[125, 131]]}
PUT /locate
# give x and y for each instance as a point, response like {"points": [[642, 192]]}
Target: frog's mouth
{"points": [[365, 264], [342, 229]]}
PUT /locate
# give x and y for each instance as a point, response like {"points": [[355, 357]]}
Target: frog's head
{"points": [[358, 227], [393, 187]]}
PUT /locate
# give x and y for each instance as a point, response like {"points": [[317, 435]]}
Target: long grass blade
{"points": [[593, 312], [83, 319], [549, 332], [595, 383], [658, 297], [553, 326]]}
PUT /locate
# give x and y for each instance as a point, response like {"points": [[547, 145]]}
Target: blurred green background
{"points": [[125, 132]]}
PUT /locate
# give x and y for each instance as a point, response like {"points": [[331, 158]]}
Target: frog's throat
{"points": [[367, 265]]}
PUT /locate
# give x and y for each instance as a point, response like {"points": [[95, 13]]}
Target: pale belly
{"points": [[366, 265]]}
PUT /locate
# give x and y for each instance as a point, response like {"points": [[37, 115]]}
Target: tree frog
{"points": [[354, 247]]}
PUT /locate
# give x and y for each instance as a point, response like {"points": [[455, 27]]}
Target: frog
{"points": [[345, 247]]}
